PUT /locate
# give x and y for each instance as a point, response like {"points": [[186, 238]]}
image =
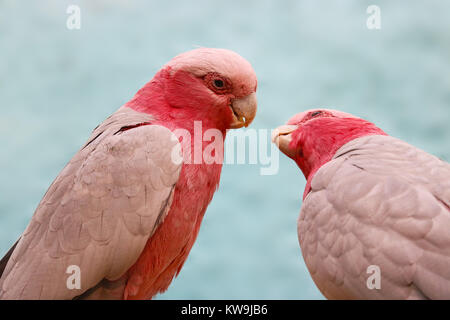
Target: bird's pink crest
{"points": [[203, 61]]}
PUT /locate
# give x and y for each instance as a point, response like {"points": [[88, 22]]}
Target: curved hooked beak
{"points": [[282, 137], [244, 111]]}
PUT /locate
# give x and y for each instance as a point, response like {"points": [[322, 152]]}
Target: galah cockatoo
{"points": [[125, 211], [375, 218]]}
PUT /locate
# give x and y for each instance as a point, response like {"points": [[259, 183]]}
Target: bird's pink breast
{"points": [[168, 248]]}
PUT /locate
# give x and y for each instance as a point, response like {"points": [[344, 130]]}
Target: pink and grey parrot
{"points": [[125, 210], [373, 206]]}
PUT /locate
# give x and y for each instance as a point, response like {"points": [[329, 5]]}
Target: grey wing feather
{"points": [[381, 202], [98, 213]]}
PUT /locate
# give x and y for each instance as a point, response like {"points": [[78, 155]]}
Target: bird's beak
{"points": [[244, 111], [282, 137]]}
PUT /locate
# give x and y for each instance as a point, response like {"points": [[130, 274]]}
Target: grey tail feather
{"points": [[5, 259]]}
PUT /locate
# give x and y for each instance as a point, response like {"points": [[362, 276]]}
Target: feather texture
{"points": [[383, 202], [99, 212]]}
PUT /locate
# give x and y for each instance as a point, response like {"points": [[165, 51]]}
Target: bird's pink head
{"points": [[311, 138], [215, 85]]}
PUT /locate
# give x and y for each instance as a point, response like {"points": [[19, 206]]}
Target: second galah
{"points": [[375, 218], [120, 219]]}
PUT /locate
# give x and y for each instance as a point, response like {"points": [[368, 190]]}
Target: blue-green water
{"points": [[56, 85]]}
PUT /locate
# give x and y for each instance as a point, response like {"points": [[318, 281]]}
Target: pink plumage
{"points": [[372, 202], [123, 210]]}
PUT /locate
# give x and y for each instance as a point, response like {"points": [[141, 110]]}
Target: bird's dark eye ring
{"points": [[315, 114], [218, 83]]}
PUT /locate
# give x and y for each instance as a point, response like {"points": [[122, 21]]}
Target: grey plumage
{"points": [[98, 213], [380, 201]]}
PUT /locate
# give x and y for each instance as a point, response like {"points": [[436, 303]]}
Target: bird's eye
{"points": [[316, 113], [218, 83]]}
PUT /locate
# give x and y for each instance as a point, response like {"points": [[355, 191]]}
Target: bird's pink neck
{"points": [[319, 140]]}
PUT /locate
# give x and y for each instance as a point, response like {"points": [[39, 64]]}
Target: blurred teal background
{"points": [[57, 84]]}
